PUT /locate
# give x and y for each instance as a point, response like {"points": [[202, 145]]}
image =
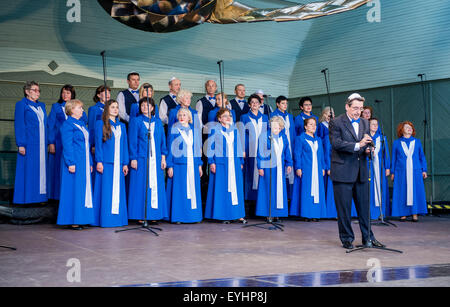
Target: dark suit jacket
{"points": [[346, 163]]}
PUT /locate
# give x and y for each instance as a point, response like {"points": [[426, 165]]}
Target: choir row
{"points": [[97, 165]]}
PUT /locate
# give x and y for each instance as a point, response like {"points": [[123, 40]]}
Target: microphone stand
{"points": [[368, 241], [327, 81], [269, 219], [145, 225], [8, 247], [425, 130], [383, 154]]}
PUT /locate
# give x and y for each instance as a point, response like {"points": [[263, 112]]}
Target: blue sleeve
{"points": [[19, 124], [99, 141], [169, 158], [240, 150], [298, 153], [321, 155], [287, 154], [125, 155], [394, 156], [387, 160], [422, 158], [197, 145], [326, 153], [211, 147], [160, 128], [51, 125], [67, 137], [133, 139]]}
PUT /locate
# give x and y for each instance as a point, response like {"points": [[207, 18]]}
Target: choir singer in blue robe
{"points": [[225, 200], [147, 121], [380, 170], [76, 203], [409, 168], [56, 118], [184, 169], [308, 199], [274, 163], [254, 123], [30, 123], [111, 156]]}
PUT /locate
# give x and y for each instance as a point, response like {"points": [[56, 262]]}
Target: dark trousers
{"points": [[343, 194]]}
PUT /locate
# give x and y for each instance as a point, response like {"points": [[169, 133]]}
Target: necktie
{"points": [[134, 92], [211, 98], [356, 120]]}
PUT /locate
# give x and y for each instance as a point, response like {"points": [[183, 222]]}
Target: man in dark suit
{"points": [[349, 137]]}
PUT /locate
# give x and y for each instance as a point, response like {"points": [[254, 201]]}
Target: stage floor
{"points": [[215, 254]]}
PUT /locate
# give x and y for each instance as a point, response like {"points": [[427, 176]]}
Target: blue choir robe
{"points": [[402, 203], [331, 211], [56, 118], [76, 200], [30, 123], [254, 126], [110, 198], [289, 131], [225, 199], [299, 122], [272, 187], [95, 113], [184, 196], [139, 150], [379, 186], [307, 201]]}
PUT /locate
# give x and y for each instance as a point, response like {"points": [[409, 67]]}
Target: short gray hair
{"points": [[28, 85]]}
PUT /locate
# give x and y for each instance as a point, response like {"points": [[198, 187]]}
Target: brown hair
{"points": [[105, 119], [305, 122], [400, 128], [100, 89], [221, 112]]}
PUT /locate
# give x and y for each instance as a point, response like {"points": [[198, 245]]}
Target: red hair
{"points": [[400, 128]]}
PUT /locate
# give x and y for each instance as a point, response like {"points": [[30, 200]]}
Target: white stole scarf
{"points": [[229, 137], [42, 171], [152, 175], [117, 131], [376, 169], [287, 125], [64, 111], [88, 191], [278, 148], [190, 174], [257, 124], [409, 172], [315, 172]]}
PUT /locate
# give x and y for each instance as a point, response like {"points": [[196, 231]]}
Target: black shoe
{"points": [[347, 245], [226, 222], [372, 243], [76, 228]]}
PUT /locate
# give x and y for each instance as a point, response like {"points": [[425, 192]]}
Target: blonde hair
{"points": [[185, 110], [182, 94], [279, 120], [323, 116], [72, 104], [142, 90]]}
